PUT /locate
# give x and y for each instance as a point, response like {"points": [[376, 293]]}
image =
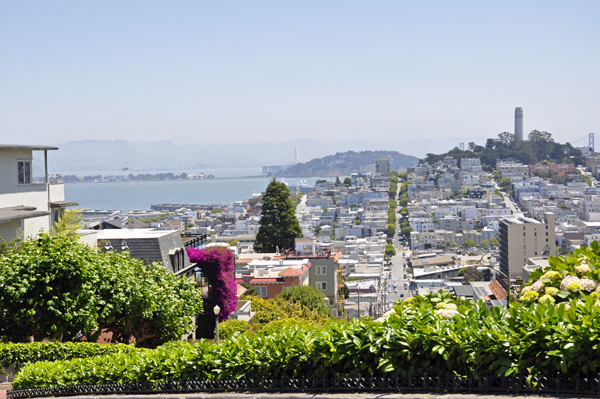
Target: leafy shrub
{"points": [[575, 276], [306, 295], [16, 355], [435, 332], [266, 310], [228, 328], [279, 326], [428, 332], [58, 288]]}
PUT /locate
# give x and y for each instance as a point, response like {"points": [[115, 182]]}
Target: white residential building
{"points": [[589, 208], [30, 201]]}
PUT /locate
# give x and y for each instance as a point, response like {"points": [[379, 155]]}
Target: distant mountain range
{"points": [[345, 163], [97, 155]]}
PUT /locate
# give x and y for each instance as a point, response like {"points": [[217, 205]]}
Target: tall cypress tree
{"points": [[279, 226]]}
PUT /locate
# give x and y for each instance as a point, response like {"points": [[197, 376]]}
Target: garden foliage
{"points": [[435, 334], [16, 355], [306, 295], [217, 266], [574, 276], [54, 287]]}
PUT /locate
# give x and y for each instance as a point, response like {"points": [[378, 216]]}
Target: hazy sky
{"points": [[260, 71]]}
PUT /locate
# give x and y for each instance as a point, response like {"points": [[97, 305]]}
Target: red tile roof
{"points": [[267, 281], [291, 272], [240, 290], [498, 290]]}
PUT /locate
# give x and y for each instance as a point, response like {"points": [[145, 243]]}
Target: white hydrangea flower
{"points": [[568, 280], [447, 313], [582, 268], [537, 286], [588, 284]]}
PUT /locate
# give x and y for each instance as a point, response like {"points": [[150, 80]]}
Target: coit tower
{"points": [[519, 122]]}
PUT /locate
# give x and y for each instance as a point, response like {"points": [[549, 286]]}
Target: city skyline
{"points": [[273, 72]]}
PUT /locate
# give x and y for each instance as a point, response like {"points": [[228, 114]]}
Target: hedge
{"points": [[16, 355], [546, 334], [540, 338]]}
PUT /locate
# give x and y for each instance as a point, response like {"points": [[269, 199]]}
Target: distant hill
{"points": [[101, 156], [538, 147], [345, 163]]}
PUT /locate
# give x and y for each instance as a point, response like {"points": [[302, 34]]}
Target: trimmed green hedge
{"points": [[541, 338], [17, 355]]}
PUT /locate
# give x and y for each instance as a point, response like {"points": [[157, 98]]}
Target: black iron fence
{"points": [[434, 382]]}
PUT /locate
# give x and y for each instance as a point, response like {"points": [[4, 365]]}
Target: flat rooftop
{"points": [[23, 147], [117, 234], [15, 213], [520, 220]]}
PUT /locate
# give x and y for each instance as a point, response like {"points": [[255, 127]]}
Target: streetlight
{"points": [[217, 310]]}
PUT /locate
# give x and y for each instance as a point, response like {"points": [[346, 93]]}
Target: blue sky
{"points": [[265, 71]]}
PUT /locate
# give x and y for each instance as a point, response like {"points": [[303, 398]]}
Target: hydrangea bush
{"points": [[572, 277]]}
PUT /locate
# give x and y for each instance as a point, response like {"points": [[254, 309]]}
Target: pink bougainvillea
{"points": [[217, 266]]}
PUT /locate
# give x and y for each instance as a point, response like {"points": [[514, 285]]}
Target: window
{"points": [[322, 285], [321, 270], [262, 291], [24, 172], [523, 234]]}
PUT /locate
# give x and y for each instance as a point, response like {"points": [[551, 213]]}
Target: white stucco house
{"points": [[29, 200]]}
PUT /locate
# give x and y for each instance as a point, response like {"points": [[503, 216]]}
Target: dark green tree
{"points": [[279, 226]]}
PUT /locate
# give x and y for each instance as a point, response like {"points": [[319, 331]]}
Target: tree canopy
{"points": [[279, 226], [538, 147]]}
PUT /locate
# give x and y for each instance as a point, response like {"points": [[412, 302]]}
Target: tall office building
{"points": [[519, 122], [522, 238]]}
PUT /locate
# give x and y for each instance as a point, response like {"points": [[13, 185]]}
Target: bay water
{"points": [[140, 195]]}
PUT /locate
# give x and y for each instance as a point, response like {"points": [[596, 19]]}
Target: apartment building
{"points": [[30, 201], [589, 208], [522, 238], [382, 166]]}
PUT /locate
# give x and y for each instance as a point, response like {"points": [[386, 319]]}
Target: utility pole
{"points": [[359, 301]]}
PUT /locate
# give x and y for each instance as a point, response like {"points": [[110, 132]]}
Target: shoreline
{"points": [[216, 178]]}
